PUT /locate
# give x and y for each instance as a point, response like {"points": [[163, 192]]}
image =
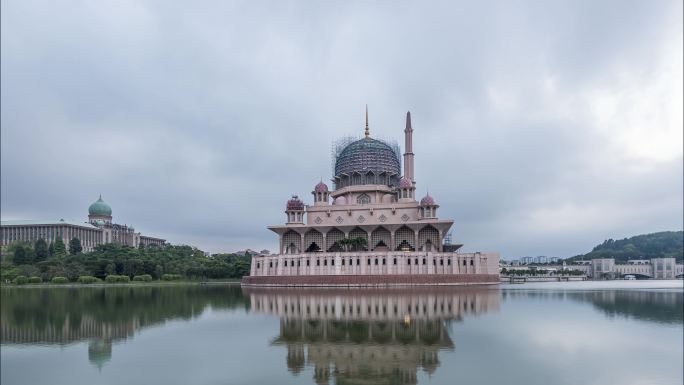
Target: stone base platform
{"points": [[372, 280]]}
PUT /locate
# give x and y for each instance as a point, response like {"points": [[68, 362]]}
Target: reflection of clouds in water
{"points": [[593, 336], [582, 334], [371, 336]]}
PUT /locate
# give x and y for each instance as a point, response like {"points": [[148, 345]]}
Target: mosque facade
{"points": [[100, 229], [369, 229]]}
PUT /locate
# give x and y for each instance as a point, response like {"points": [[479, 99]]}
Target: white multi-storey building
{"points": [[99, 229]]}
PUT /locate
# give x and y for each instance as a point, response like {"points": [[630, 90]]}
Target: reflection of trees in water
{"points": [[406, 332], [337, 331], [103, 314], [653, 306], [661, 305], [382, 332], [358, 331], [39, 308]]}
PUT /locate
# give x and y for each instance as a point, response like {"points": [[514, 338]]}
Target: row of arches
{"points": [[380, 239], [357, 178]]}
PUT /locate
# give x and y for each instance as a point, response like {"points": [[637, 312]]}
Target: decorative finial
{"points": [[408, 122], [367, 131]]}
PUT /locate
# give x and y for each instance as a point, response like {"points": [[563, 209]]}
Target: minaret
{"points": [[408, 144]]}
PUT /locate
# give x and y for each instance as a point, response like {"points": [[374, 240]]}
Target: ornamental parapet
{"points": [[375, 263]]}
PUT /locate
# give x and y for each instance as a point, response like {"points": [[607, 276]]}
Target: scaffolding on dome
{"points": [[335, 150], [383, 158]]}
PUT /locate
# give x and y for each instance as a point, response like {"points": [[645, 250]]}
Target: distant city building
{"points": [[541, 259], [100, 229], [526, 260], [657, 268]]}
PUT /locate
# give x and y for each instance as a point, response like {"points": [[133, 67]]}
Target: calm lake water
{"points": [[546, 333]]}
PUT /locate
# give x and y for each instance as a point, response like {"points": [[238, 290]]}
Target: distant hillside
{"points": [[662, 244]]}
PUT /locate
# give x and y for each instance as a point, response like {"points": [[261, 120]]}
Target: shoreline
{"points": [[117, 284]]}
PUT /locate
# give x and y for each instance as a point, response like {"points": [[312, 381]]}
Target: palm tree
{"points": [[349, 244], [358, 242], [344, 243]]}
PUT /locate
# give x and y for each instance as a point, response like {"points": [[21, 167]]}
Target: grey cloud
{"points": [[197, 123]]}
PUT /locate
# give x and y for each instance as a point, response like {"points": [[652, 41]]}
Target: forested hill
{"points": [[662, 244]]}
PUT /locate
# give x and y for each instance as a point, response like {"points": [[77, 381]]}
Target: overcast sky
{"points": [[541, 127]]}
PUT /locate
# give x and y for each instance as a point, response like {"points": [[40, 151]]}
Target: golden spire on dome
{"points": [[367, 131]]}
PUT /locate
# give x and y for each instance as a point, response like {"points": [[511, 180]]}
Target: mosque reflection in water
{"points": [[351, 336], [369, 336]]}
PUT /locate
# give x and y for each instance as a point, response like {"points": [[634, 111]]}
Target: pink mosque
{"points": [[369, 230]]}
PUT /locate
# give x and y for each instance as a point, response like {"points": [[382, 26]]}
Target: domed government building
{"points": [[99, 229], [369, 229]]}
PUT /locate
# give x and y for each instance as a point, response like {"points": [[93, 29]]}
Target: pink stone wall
{"points": [[375, 263]]}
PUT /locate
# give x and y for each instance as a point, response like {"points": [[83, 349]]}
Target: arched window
{"points": [[380, 239], [363, 199], [313, 240]]}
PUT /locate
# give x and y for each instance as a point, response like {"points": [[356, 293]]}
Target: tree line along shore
{"points": [[57, 263]]}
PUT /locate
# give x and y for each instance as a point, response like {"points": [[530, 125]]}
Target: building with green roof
{"points": [[99, 229]]}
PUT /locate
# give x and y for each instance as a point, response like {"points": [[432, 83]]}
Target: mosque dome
{"points": [[364, 156], [405, 183], [321, 187], [294, 204], [100, 208], [427, 201]]}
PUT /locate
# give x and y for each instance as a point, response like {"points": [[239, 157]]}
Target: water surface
{"points": [[543, 333]]}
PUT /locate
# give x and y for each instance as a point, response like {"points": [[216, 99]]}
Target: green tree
{"points": [[358, 243], [345, 243], [110, 269], [40, 248], [20, 256], [51, 249], [158, 271], [75, 246], [59, 247]]}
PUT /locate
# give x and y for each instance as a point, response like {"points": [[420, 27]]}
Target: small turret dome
{"points": [[405, 182], [295, 204], [427, 201], [340, 200], [100, 208], [321, 187]]}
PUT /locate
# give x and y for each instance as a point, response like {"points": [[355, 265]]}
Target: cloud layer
{"points": [[541, 129]]}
